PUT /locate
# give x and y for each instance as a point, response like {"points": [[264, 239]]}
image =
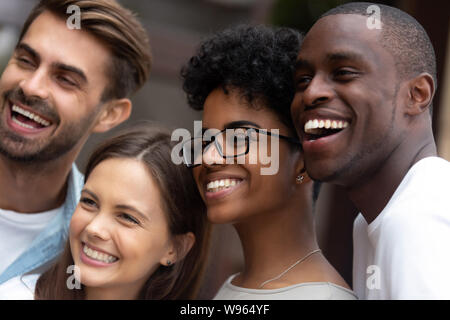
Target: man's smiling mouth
{"points": [[318, 128], [27, 119]]}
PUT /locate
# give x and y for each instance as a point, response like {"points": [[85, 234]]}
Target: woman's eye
{"points": [[88, 202], [129, 218]]}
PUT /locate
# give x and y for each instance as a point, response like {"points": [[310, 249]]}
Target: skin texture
{"points": [[271, 213], [36, 79], [344, 73], [137, 234]]}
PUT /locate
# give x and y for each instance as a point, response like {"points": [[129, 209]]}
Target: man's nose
{"points": [[36, 84], [318, 91]]}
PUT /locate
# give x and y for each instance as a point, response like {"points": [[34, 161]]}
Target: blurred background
{"points": [[177, 26]]}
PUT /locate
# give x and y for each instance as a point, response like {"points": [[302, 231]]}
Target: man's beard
{"points": [[20, 149]]}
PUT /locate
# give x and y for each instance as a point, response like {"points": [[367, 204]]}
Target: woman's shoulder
{"points": [[19, 288]]}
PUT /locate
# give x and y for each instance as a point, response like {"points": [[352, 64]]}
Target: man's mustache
{"points": [[38, 105]]}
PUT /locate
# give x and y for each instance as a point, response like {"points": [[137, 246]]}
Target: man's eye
{"points": [[129, 218], [66, 81], [25, 61], [345, 74], [302, 82]]}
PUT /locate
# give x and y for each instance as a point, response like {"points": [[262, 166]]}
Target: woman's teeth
{"points": [[218, 185], [99, 256], [312, 125]]}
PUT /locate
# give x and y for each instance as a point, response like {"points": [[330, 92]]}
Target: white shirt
{"points": [[17, 232], [301, 291], [405, 252], [19, 288]]}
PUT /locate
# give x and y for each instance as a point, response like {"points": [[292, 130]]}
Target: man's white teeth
{"points": [[99, 256], [324, 124], [218, 185], [21, 124], [31, 116]]}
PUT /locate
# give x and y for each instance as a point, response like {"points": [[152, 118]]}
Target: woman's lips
{"points": [[96, 258], [219, 188]]}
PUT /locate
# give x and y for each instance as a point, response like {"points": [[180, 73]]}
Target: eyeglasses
{"points": [[229, 143]]}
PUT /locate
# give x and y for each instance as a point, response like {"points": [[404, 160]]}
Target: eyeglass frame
{"points": [[247, 141]]}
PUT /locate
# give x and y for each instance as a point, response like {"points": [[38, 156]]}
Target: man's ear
{"points": [[178, 249], [114, 113], [420, 94]]}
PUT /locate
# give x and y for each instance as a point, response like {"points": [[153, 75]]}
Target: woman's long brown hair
{"points": [[183, 205]]}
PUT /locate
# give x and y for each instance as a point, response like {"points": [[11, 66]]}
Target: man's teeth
{"points": [[218, 185], [324, 124], [31, 116], [99, 256]]}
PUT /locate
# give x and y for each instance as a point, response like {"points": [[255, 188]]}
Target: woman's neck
{"points": [[272, 242], [110, 293]]}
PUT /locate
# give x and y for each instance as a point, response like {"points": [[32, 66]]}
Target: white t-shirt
{"points": [[19, 288], [301, 291], [17, 232], [405, 252]]}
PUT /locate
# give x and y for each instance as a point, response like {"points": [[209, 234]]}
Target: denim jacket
{"points": [[51, 241]]}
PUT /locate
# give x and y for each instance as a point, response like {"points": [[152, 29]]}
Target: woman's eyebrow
{"points": [[235, 124], [92, 194], [240, 123]]}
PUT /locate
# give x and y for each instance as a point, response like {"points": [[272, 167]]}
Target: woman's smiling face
{"points": [[119, 233], [243, 191]]}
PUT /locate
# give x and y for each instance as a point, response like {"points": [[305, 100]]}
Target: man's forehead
{"points": [[342, 26], [338, 35], [49, 36]]}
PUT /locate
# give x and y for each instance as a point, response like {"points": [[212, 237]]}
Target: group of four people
{"points": [[347, 104]]}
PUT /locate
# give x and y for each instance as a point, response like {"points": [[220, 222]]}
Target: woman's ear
{"points": [[178, 249], [114, 113], [420, 94], [300, 171]]}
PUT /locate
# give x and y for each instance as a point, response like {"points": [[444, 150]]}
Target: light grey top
{"points": [[301, 291]]}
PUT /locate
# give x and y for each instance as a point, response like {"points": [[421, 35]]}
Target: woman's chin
{"points": [[223, 215]]}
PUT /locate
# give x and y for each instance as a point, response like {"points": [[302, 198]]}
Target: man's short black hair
{"points": [[402, 36], [257, 61]]}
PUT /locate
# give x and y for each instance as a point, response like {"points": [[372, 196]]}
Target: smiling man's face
{"points": [[50, 91], [345, 106]]}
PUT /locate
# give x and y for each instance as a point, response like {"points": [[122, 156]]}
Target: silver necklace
{"points": [[292, 266]]}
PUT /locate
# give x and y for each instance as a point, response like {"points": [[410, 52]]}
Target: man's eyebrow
{"points": [[344, 55], [29, 50], [72, 69], [131, 208], [56, 65], [302, 64]]}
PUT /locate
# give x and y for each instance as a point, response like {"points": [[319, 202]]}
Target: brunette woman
{"points": [[138, 232]]}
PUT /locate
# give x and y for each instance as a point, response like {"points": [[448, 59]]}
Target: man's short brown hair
{"points": [[119, 30]]}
